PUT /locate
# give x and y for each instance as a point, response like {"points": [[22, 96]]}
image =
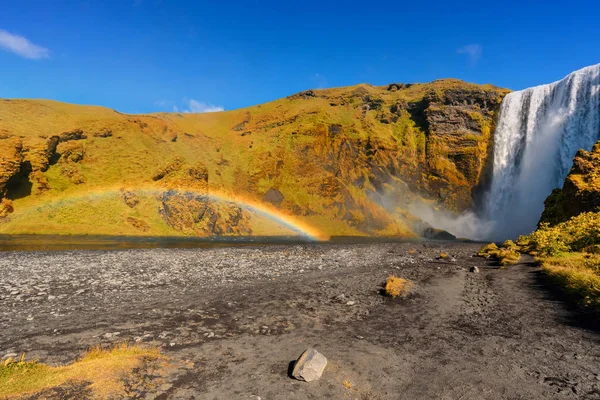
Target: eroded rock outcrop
{"points": [[580, 192], [11, 157], [186, 205]]}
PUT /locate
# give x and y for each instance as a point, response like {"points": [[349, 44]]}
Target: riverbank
{"points": [[231, 319]]}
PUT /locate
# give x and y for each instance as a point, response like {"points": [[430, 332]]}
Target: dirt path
{"points": [[231, 320]]}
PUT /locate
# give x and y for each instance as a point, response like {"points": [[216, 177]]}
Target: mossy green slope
{"points": [[328, 158]]}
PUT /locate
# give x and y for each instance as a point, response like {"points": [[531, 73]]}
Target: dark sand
{"points": [[231, 320]]}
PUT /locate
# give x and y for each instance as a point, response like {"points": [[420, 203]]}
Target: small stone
{"points": [[309, 366], [80, 291], [350, 303], [452, 259], [474, 269], [51, 297], [9, 355]]}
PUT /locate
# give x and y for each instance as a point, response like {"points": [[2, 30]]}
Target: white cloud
{"points": [[188, 106], [472, 51], [195, 106], [22, 46]]}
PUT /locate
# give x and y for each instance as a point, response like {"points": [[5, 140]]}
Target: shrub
{"points": [[395, 286], [568, 253], [487, 250], [509, 244], [506, 255]]}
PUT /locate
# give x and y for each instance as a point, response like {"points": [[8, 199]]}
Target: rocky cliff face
{"points": [[344, 161], [580, 192]]}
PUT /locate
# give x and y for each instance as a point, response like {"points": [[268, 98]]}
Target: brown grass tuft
{"points": [[395, 286]]}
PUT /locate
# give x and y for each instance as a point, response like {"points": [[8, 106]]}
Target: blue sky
{"points": [[164, 55]]}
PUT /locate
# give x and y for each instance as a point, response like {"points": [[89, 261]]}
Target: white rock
{"points": [[9, 355], [474, 269], [309, 366]]}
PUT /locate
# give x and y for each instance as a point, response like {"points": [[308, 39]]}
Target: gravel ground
{"points": [[231, 320]]}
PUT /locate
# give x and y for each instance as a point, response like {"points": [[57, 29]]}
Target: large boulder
{"points": [[309, 366]]}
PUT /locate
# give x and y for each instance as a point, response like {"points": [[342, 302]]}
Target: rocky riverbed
{"points": [[231, 319]]}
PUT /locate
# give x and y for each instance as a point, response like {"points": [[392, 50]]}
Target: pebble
{"points": [[350, 303], [9, 355], [474, 269]]}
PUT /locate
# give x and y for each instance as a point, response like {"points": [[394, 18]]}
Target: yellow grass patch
{"points": [[487, 249], [506, 255], [395, 286], [104, 369], [578, 273]]}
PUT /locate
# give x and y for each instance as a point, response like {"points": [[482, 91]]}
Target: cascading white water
{"points": [[538, 133]]}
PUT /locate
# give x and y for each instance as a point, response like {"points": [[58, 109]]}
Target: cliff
{"points": [[343, 161], [580, 192]]}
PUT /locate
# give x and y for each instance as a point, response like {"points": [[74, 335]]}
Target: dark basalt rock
{"points": [[273, 196]]}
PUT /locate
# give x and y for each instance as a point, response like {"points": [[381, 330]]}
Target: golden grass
{"points": [[104, 369], [488, 249], [395, 286], [578, 274], [506, 255], [284, 144]]}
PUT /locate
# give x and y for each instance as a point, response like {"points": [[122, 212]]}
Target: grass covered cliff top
{"points": [[342, 161]]}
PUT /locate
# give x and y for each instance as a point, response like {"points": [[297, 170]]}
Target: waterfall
{"points": [[537, 135]]}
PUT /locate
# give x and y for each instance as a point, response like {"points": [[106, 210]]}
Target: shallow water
{"points": [[89, 242]]}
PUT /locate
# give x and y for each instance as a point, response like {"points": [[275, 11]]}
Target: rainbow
{"points": [[291, 222]]}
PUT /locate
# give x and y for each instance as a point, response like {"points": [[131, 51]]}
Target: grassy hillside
{"points": [[344, 161], [567, 242]]}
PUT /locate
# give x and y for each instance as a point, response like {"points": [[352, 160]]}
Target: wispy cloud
{"points": [[188, 106], [195, 106], [319, 80], [22, 46], [472, 51]]}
